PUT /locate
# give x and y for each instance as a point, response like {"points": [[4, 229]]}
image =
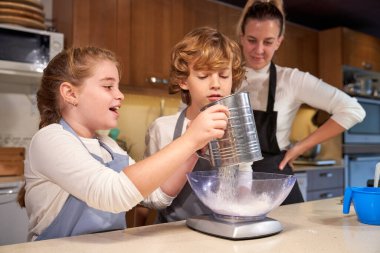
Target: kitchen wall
{"points": [[136, 113], [18, 114], [18, 111]]}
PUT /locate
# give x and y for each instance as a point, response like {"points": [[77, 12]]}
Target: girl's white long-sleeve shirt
{"points": [[295, 88], [59, 165]]}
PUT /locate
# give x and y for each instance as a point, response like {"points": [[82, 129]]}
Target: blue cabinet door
{"points": [[359, 169]]}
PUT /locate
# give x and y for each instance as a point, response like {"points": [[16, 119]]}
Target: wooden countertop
{"points": [[315, 226], [303, 168]]}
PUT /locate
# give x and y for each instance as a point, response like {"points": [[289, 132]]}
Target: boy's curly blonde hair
{"points": [[209, 50]]}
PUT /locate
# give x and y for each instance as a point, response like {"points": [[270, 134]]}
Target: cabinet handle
{"points": [[366, 65], [155, 80], [326, 174], [364, 158], [326, 195]]}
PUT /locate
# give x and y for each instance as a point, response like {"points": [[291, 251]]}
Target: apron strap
{"points": [[179, 125], [272, 87]]}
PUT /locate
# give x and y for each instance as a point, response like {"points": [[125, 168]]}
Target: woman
{"points": [[277, 93]]}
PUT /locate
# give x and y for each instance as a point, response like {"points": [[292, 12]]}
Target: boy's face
{"points": [[207, 86]]}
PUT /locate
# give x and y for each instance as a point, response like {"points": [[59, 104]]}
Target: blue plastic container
{"points": [[366, 203]]}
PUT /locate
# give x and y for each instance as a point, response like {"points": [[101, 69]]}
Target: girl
{"points": [[79, 182]]}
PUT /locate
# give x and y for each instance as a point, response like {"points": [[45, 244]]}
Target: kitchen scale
{"points": [[234, 229], [314, 162]]}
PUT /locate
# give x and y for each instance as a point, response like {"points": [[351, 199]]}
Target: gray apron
{"points": [[76, 217], [266, 124], [186, 204]]}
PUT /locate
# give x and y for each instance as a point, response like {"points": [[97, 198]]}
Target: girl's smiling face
{"points": [[98, 100], [260, 41]]}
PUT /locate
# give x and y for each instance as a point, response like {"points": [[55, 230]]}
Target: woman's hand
{"points": [[290, 156], [328, 130], [208, 125]]}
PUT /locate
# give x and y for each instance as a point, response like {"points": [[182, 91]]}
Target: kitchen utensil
{"points": [[313, 152], [240, 143], [366, 203], [377, 175], [314, 162], [240, 201]]}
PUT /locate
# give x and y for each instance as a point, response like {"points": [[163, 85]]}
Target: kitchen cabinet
{"points": [[299, 49], [156, 27], [228, 19], [325, 183], [13, 219], [141, 32], [320, 182], [341, 46], [98, 23], [199, 13], [360, 168]]}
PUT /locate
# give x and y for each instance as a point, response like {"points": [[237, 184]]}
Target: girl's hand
{"points": [[208, 125]]}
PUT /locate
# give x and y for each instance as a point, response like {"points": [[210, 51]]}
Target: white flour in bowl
{"points": [[233, 195]]}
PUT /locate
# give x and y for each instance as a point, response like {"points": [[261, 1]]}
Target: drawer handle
{"points": [[326, 195], [156, 81], [366, 65], [326, 174]]}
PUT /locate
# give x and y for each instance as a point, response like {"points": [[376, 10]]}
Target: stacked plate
{"points": [[28, 13]]}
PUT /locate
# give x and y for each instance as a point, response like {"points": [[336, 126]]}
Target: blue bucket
{"points": [[366, 203]]}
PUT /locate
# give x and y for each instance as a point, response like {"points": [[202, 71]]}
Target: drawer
{"points": [[325, 178], [325, 194]]}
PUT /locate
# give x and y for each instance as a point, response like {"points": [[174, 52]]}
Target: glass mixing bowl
{"points": [[240, 195]]}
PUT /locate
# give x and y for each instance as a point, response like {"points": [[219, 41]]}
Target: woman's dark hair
{"points": [[262, 10]]}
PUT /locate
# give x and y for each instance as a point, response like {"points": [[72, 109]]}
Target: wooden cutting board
{"points": [[11, 168], [12, 153]]}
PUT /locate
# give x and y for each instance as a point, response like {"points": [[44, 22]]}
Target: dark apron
{"points": [[186, 204], [76, 217], [266, 125]]}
